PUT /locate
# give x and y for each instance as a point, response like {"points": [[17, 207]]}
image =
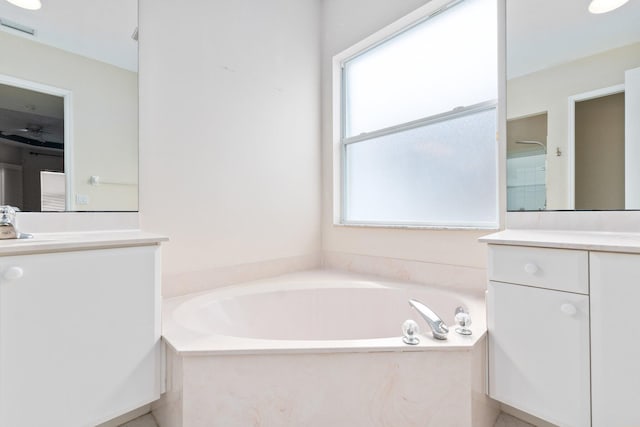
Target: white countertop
{"points": [[585, 240], [56, 242]]}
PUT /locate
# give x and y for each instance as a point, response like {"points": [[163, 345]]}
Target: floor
{"points": [[504, 420], [143, 421]]}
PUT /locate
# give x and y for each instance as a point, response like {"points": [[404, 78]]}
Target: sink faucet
{"points": [[8, 229], [8, 222], [438, 327]]}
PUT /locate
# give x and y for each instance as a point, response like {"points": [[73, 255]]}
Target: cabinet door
{"points": [[539, 352], [79, 336], [615, 339]]}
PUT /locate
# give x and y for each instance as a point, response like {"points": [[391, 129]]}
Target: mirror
{"points": [[69, 106], [572, 77]]}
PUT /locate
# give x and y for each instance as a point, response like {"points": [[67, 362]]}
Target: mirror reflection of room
{"points": [[88, 60], [527, 163], [582, 71], [599, 167], [31, 149]]}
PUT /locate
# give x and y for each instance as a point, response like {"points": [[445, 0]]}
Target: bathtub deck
{"points": [[200, 342]]}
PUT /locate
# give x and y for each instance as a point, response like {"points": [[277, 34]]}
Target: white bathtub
{"points": [[320, 348]]}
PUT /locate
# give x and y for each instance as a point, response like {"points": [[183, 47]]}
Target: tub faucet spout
{"points": [[437, 325]]}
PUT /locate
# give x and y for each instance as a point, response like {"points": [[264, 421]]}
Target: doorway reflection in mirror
{"points": [[527, 163], [31, 142]]}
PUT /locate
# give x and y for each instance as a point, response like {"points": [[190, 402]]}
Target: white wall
{"points": [[231, 154], [105, 116], [229, 126], [451, 258]]}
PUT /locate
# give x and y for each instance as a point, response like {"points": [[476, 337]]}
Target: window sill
{"points": [[489, 227]]}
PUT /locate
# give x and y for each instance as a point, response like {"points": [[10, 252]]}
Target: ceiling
{"points": [[98, 29], [30, 117], [540, 33], [544, 33]]}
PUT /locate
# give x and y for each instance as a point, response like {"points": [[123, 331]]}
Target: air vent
{"points": [[17, 27]]}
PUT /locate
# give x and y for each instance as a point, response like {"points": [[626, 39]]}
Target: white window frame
{"points": [[340, 141]]}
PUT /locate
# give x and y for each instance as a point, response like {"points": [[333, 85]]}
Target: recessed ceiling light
{"points": [[604, 6], [27, 4]]}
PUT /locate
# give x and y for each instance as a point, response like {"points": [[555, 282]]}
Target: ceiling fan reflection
{"points": [[31, 131]]}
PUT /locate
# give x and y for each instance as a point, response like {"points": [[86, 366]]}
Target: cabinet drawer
{"points": [[560, 269]]}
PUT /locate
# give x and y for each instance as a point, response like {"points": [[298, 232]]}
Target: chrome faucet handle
{"points": [[410, 330], [463, 319], [461, 309], [8, 222], [8, 214]]}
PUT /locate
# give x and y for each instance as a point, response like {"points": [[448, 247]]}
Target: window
{"points": [[418, 122]]}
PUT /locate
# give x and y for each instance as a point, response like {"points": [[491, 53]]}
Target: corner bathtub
{"points": [[320, 348]]}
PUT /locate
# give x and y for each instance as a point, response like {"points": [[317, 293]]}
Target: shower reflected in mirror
{"points": [[527, 163]]}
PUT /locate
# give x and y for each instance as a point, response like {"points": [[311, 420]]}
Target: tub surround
{"points": [[222, 378], [188, 282], [457, 278], [553, 296], [189, 330], [335, 389]]}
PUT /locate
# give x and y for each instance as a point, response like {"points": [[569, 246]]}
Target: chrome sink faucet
{"points": [[437, 325], [8, 229], [8, 223]]}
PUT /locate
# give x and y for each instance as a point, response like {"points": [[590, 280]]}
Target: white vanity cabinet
{"points": [[564, 343], [539, 332], [615, 337], [79, 335]]}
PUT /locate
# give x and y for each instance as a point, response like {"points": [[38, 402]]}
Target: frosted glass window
{"points": [[443, 173], [444, 62], [418, 123]]}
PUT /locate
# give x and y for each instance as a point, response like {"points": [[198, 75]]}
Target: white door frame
{"points": [[571, 140], [67, 96]]}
